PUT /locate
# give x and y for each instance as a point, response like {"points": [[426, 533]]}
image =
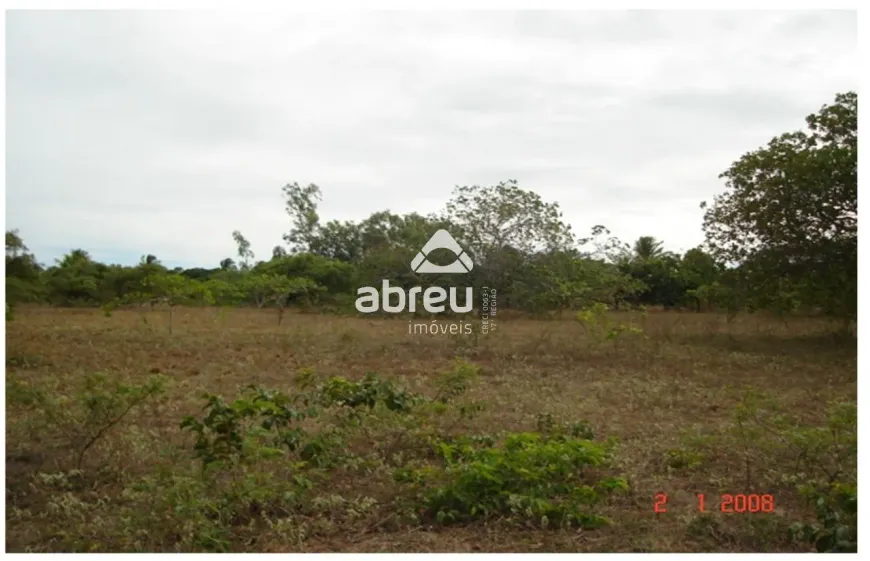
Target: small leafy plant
{"points": [[549, 425], [260, 423], [368, 392], [599, 327], [823, 460], [528, 477], [108, 307], [681, 458], [836, 530], [454, 382], [84, 419]]}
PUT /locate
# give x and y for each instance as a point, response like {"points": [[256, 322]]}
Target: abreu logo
{"points": [[369, 300], [442, 240]]}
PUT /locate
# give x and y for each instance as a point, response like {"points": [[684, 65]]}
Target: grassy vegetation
{"points": [[234, 433]]}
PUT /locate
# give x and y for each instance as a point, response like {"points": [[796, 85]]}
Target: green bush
{"points": [[530, 477], [454, 382], [368, 392], [196, 513], [261, 423], [598, 326], [836, 530], [680, 458], [549, 425], [84, 419], [824, 460]]}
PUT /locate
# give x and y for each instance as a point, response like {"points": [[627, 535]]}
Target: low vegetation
{"points": [[342, 434]]}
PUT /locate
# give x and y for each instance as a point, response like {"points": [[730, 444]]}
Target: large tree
{"points": [[22, 270], [75, 279], [503, 226], [504, 215], [789, 216]]}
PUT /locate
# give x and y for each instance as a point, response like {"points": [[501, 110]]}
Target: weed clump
{"points": [[529, 477], [261, 423], [836, 526], [83, 419], [368, 392], [683, 459], [599, 327], [823, 460]]}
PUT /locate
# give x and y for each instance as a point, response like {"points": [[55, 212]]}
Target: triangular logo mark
{"points": [[442, 240]]}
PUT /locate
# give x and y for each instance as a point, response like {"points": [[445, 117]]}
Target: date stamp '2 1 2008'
{"points": [[723, 503]]}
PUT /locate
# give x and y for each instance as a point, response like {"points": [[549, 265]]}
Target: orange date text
{"points": [[723, 503]]}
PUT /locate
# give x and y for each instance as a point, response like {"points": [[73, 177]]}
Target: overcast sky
{"points": [[162, 132]]}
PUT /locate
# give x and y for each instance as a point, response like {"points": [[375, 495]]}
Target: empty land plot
{"points": [[454, 443]]}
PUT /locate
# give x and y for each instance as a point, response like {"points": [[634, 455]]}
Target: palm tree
{"points": [[647, 248]]}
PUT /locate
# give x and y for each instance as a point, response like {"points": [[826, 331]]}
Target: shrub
{"points": [[368, 392], [454, 382], [680, 458], [261, 423], [599, 327], [836, 530], [824, 460], [548, 425], [531, 477], [84, 419]]}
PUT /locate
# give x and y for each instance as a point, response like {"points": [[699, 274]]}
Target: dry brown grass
{"points": [[675, 389]]}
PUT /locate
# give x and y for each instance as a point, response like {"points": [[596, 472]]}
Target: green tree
{"points": [[149, 276], [790, 213], [178, 290], [14, 244], [562, 280], [338, 240], [660, 278], [225, 292], [257, 287], [278, 252], [118, 282], [700, 272], [502, 226], [285, 290], [244, 250], [335, 276], [74, 280], [503, 215], [301, 205], [22, 271], [647, 248], [199, 273], [602, 245]]}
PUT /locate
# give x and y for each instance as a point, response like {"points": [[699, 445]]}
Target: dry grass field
{"points": [[79, 478]]}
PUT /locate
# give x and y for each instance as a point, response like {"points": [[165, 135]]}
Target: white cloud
{"points": [[162, 132]]}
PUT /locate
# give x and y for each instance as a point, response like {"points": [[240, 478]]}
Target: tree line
{"points": [[782, 237]]}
